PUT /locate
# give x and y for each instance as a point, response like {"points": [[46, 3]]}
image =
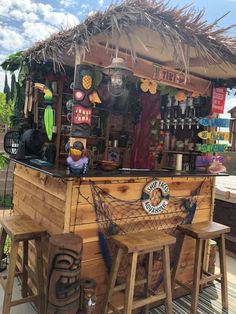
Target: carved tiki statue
{"points": [[64, 265], [84, 97]]}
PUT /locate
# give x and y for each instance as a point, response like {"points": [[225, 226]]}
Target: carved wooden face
{"points": [[64, 284], [82, 109]]}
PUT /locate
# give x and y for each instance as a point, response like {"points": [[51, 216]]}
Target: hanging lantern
{"points": [[118, 73]]}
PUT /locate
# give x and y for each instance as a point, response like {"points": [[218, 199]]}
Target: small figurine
{"points": [[77, 161], [216, 165]]}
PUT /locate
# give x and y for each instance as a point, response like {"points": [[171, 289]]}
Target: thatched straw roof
{"points": [[180, 33]]}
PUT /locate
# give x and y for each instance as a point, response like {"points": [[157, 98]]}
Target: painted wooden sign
{"points": [[215, 122], [218, 99], [211, 148], [155, 197], [214, 136]]}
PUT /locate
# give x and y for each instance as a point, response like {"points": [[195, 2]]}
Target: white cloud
{"points": [[23, 16], [38, 21], [29, 11], [60, 19], [84, 6], [2, 77], [11, 40], [101, 2], [91, 13], [37, 31], [230, 103], [67, 3]]}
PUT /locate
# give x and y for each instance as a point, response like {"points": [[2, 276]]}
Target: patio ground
{"points": [[28, 308]]}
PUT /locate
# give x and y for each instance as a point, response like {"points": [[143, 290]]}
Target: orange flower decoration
{"points": [[195, 94], [149, 86], [180, 96]]}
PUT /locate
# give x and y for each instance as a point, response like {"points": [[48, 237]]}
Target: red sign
{"points": [[218, 99]]}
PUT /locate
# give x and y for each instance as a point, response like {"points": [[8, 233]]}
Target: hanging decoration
{"points": [[84, 97], [148, 86], [180, 96], [214, 136], [155, 197], [218, 99], [119, 74], [48, 112]]}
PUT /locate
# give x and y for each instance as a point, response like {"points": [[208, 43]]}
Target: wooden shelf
{"points": [[119, 148], [96, 137], [181, 152]]}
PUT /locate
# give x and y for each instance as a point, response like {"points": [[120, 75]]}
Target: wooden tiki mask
{"points": [[64, 271], [82, 109]]}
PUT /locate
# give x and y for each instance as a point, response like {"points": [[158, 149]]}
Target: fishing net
{"points": [[116, 216]]}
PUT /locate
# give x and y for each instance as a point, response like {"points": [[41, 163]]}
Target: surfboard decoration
{"points": [[214, 136], [211, 148], [215, 122]]}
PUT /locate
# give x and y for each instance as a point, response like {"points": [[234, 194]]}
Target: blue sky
{"points": [[22, 22]]}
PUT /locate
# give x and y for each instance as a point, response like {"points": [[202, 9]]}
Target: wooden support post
{"points": [[130, 283], [69, 191], [167, 279], [224, 286], [197, 274]]}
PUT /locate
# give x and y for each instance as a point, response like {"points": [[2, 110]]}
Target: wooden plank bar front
{"points": [[66, 206]]}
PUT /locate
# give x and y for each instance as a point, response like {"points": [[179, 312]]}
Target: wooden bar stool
{"points": [[134, 244], [203, 232], [22, 229]]}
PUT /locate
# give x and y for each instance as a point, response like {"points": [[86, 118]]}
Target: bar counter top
{"points": [[62, 172]]}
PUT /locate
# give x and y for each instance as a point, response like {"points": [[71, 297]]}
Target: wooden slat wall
{"points": [[83, 220], [44, 199]]}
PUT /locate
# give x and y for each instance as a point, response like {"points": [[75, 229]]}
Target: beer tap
{"points": [[190, 109], [162, 112], [168, 108], [175, 113], [183, 106], [196, 103]]}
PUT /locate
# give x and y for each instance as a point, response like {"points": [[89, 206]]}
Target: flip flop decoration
{"points": [[215, 122], [211, 148], [214, 136], [48, 112]]}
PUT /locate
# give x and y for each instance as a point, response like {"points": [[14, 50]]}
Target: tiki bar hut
{"points": [[117, 131]]}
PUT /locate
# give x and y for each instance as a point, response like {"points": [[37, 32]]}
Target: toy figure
{"points": [[77, 161]]}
